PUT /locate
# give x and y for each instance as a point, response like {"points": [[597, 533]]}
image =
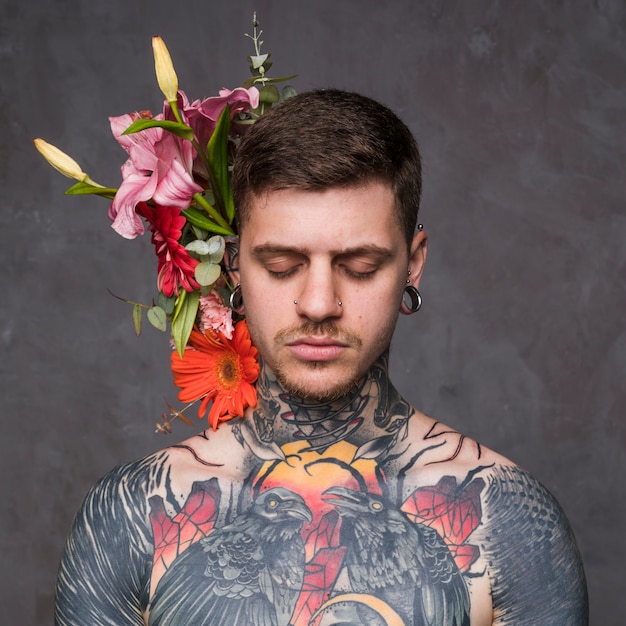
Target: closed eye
{"points": [[359, 267], [282, 273], [359, 274], [283, 266]]}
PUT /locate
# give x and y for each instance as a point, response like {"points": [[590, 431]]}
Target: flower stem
{"points": [[200, 199], [174, 106], [144, 306]]}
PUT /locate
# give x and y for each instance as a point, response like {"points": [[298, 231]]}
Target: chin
{"points": [[312, 385]]}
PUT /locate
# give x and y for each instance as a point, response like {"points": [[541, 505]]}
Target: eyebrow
{"points": [[269, 249]]}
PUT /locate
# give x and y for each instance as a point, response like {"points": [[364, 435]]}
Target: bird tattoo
{"points": [[406, 564], [247, 572]]}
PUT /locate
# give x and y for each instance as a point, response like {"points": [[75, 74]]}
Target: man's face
{"points": [[301, 254]]}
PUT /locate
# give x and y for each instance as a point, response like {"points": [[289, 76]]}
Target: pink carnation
{"points": [[214, 315]]}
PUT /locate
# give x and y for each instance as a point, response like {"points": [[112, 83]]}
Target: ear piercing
{"points": [[415, 299], [236, 299], [414, 302]]}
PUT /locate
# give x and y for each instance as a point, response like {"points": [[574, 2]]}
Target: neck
{"points": [[372, 407]]}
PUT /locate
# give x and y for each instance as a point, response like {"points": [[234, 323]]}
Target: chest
{"points": [[316, 539]]}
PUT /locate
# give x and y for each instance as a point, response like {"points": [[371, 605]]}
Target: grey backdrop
{"points": [[519, 109]]}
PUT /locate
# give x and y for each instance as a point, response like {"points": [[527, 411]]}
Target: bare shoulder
{"points": [[133, 523], [501, 524]]}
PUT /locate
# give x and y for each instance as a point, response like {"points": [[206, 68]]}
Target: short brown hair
{"points": [[329, 138]]}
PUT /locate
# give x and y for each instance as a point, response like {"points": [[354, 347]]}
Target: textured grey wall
{"points": [[520, 111]]}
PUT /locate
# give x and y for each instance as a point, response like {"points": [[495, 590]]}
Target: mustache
{"points": [[321, 329]]}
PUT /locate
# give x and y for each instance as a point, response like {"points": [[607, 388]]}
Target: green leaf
{"points": [[288, 92], [166, 303], [184, 317], [211, 250], [80, 189], [176, 128], [137, 318], [217, 152], [257, 60], [249, 82], [200, 219], [269, 94], [217, 247], [198, 246], [157, 317], [199, 233], [207, 273]]}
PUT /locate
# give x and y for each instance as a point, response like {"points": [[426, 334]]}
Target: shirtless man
{"points": [[332, 501]]}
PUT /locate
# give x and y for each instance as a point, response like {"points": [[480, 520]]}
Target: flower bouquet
{"points": [[176, 181]]}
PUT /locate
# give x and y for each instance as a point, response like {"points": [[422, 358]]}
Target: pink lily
{"points": [[202, 115], [158, 168]]}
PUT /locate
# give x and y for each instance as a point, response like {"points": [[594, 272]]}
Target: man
{"points": [[333, 501]]}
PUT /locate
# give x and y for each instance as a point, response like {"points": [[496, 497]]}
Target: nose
{"points": [[318, 299]]}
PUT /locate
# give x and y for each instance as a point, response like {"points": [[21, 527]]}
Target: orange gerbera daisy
{"points": [[216, 369]]}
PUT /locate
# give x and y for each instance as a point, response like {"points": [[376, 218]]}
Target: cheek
{"points": [[266, 311], [381, 300]]}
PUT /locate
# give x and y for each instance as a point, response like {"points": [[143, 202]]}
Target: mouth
{"points": [[317, 348]]}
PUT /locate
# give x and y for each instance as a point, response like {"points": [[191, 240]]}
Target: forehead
{"points": [[347, 215]]}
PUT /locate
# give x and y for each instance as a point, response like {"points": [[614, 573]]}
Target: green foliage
{"points": [[183, 318], [137, 318], [217, 152], [167, 304], [206, 273], [199, 218], [81, 189], [157, 317], [180, 130]]}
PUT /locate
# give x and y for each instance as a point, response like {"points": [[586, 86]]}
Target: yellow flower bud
{"points": [[59, 160], [62, 162], [166, 76]]}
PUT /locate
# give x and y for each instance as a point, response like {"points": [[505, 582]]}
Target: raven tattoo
{"points": [[404, 563], [247, 572]]}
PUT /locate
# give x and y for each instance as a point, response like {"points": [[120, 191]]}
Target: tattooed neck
{"points": [[372, 405]]}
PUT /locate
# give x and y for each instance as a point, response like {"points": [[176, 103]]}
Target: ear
{"points": [[417, 260], [417, 257]]}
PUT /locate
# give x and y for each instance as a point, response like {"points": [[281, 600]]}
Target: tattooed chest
{"points": [[316, 537]]}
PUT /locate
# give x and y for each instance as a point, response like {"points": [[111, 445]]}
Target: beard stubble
{"points": [[303, 389]]}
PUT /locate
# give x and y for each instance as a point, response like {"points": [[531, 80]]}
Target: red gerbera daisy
{"points": [[218, 370], [176, 267]]}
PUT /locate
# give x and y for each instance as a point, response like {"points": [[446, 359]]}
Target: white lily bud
{"points": [[166, 76], [61, 162]]}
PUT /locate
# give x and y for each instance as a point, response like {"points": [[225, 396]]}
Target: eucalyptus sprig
{"points": [[259, 66]]}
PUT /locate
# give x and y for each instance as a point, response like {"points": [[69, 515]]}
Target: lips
{"points": [[316, 348]]}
